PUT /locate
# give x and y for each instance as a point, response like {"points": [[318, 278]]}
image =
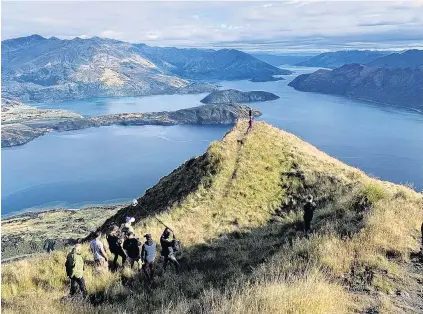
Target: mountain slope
{"points": [[206, 64], [240, 256], [408, 59], [278, 60], [393, 86], [37, 69], [339, 58]]}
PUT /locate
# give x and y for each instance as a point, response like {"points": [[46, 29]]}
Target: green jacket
{"points": [[74, 264]]}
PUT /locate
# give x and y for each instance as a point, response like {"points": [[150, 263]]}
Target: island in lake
{"points": [[266, 78], [231, 96]]}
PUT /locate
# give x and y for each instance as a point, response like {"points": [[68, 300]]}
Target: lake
{"points": [[116, 164]]}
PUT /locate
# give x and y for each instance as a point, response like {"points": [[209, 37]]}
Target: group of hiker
{"points": [[123, 243]]}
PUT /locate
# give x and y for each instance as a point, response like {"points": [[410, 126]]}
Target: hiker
{"points": [[115, 246], [132, 249], [168, 251], [99, 254], [126, 228], [309, 208], [75, 270], [250, 125], [250, 113], [49, 245], [148, 254]]}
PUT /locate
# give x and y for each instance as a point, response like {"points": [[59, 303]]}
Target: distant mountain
{"points": [[37, 69], [233, 96], [408, 59], [278, 60], [400, 87], [206, 64], [339, 58]]}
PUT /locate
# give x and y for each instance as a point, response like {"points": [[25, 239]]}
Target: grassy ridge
{"points": [[238, 256]]}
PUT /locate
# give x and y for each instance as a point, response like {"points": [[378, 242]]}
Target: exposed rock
{"points": [[231, 96], [400, 87]]}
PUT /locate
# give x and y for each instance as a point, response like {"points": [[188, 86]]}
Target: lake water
{"points": [[115, 164]]}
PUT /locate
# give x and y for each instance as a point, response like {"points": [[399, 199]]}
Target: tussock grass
{"points": [[237, 256]]}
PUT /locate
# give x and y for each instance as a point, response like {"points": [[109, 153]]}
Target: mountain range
{"points": [[37, 69], [395, 86], [339, 58]]}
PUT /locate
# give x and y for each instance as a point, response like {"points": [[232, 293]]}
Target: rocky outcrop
{"points": [[230, 96], [399, 87], [18, 134]]}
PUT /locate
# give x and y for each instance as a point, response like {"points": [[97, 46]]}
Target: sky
{"points": [[284, 26]]}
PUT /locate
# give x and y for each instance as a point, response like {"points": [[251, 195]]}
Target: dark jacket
{"points": [[114, 242], [166, 245], [309, 208], [132, 247], [148, 252]]}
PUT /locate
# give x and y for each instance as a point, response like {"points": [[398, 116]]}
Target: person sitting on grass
{"points": [[75, 271]]}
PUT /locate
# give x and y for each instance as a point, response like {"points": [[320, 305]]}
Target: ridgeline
{"points": [[242, 253]]}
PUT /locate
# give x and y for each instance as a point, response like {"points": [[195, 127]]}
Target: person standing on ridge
{"points": [[115, 246], [309, 209], [99, 254], [126, 227], [75, 271], [132, 248], [148, 254], [168, 251]]}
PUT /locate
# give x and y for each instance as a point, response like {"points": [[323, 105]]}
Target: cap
{"points": [[129, 219]]}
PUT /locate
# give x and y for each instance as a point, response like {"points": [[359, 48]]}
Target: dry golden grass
{"points": [[235, 258]]}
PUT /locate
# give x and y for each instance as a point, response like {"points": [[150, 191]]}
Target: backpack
{"points": [[176, 245]]}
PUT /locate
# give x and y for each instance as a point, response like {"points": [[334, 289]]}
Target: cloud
{"points": [[288, 25], [110, 34]]}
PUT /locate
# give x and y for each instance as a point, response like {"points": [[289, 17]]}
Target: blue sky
{"points": [[285, 26]]}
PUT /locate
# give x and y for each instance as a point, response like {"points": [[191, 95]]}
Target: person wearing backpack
{"points": [[169, 248], [132, 248], [115, 246], [148, 255], [75, 271]]}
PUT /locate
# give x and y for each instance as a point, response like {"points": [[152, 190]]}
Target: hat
{"points": [[309, 198], [130, 233], [129, 219], [134, 202], [147, 236]]}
